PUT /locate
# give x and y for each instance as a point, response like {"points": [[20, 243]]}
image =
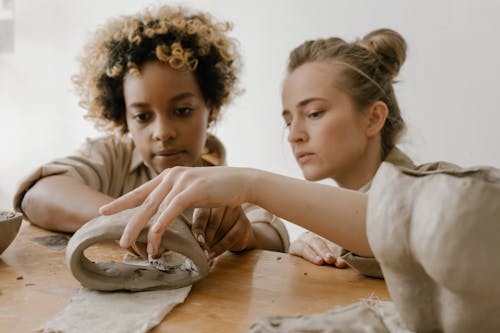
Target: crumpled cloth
{"points": [[367, 316], [117, 312]]}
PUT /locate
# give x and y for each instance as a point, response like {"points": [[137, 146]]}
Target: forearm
{"points": [[62, 203], [265, 237], [336, 214]]}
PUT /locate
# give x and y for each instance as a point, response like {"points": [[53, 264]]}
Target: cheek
{"points": [[342, 137], [141, 141]]}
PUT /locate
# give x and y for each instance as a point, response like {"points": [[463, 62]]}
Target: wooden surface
{"points": [[35, 284]]}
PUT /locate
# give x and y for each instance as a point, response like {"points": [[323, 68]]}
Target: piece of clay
{"points": [[436, 234], [123, 276], [10, 222]]}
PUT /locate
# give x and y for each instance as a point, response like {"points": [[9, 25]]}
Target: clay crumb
{"points": [[305, 273], [5, 215], [20, 277], [279, 258], [29, 284]]}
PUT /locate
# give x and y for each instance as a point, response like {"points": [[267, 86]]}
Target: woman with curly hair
{"points": [[155, 81]]}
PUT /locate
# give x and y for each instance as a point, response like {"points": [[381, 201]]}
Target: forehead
{"points": [[310, 80], [158, 78], [315, 80]]}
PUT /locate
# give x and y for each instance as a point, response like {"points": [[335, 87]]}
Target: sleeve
{"points": [[256, 214], [91, 164], [368, 266]]}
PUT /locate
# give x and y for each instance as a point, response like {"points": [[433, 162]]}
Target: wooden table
{"points": [[35, 284]]}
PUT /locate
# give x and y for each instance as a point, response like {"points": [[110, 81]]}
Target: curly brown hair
{"points": [[369, 66], [178, 36]]}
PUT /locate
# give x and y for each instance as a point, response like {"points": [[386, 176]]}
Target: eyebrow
{"points": [[303, 103], [174, 99]]}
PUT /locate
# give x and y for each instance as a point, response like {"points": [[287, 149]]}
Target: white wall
{"points": [[449, 90]]}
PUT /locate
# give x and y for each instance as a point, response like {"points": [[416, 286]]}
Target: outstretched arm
{"points": [[334, 213]]}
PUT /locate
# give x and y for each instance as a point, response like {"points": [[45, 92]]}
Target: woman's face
{"points": [[326, 131], [166, 115]]}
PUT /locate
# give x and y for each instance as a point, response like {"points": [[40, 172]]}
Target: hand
{"points": [[317, 250], [223, 228], [174, 190]]}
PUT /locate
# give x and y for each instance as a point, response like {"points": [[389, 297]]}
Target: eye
{"points": [[183, 111], [315, 114], [141, 117], [288, 121]]}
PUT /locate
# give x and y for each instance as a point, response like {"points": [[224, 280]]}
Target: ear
{"points": [[212, 116], [377, 115]]}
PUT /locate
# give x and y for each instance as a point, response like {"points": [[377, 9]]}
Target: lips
{"points": [[303, 157], [168, 152]]}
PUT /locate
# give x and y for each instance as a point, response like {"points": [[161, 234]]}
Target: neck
{"points": [[362, 170]]}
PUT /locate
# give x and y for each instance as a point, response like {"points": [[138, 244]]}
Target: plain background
{"points": [[449, 89]]}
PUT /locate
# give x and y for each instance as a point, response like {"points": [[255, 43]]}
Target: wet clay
{"points": [[10, 223], [109, 276]]}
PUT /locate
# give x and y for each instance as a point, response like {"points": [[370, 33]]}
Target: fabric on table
{"points": [[362, 317], [117, 312]]}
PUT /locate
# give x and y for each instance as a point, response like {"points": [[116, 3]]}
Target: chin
{"points": [[312, 175]]}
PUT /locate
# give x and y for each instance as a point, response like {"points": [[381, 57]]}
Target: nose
{"points": [[163, 129], [297, 132]]}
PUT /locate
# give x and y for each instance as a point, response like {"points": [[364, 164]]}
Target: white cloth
{"points": [[117, 312]]}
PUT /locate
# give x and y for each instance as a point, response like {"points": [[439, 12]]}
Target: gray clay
{"points": [[10, 223], [123, 276]]}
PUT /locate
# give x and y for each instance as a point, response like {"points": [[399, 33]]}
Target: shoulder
{"points": [[399, 159]]}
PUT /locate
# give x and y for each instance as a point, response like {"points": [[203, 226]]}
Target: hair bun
{"points": [[389, 46]]}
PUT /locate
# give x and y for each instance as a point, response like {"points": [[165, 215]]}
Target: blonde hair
{"points": [[177, 36], [367, 72]]}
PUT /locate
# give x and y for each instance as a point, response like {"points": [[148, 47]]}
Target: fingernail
{"points": [[330, 256], [201, 239], [318, 258], [206, 253]]}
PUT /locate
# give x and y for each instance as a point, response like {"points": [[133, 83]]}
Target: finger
{"points": [[145, 212], [131, 199], [172, 206], [320, 247], [300, 248], [200, 220], [311, 255], [337, 251], [340, 263], [232, 216], [214, 223], [227, 242]]}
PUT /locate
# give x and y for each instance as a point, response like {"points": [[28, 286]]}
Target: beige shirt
{"points": [[368, 265], [112, 165]]}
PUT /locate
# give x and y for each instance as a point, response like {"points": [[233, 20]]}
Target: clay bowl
{"points": [[10, 223]]}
